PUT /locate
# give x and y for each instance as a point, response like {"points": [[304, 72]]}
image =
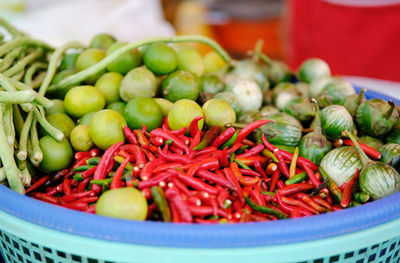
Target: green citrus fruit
{"points": [[164, 104], [83, 99], [80, 138], [68, 61], [88, 58], [58, 107], [218, 113], [160, 58], [126, 62], [145, 111], [180, 85], [102, 40], [182, 113], [118, 106], [189, 59], [60, 121], [139, 82], [87, 118], [106, 128], [56, 155], [109, 84], [213, 62], [124, 203]]}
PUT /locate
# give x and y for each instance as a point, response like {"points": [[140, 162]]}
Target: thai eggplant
{"points": [[334, 120], [371, 141], [389, 152], [376, 179], [375, 117], [317, 85], [352, 102], [268, 110], [394, 135], [283, 93], [314, 145], [210, 85], [248, 93], [313, 68], [336, 92], [341, 163], [283, 129], [231, 99], [300, 108]]}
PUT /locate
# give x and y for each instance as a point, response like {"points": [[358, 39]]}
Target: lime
{"points": [[143, 111], [139, 82], [106, 128], [218, 113], [60, 121], [88, 58], [213, 62], [56, 155], [124, 203], [68, 61], [126, 62], [160, 58], [83, 99], [58, 107], [60, 93], [102, 40], [80, 138], [189, 59], [108, 84], [87, 118], [164, 104], [180, 85], [182, 113], [118, 106]]}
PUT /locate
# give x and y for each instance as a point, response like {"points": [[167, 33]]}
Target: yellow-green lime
{"points": [[106, 128], [83, 99], [160, 58], [218, 113], [58, 107], [182, 113], [61, 121], [180, 85], [164, 104], [118, 106], [80, 138], [109, 84], [56, 155], [87, 118], [124, 203], [189, 59], [145, 111], [102, 40], [88, 58], [213, 62], [126, 62], [139, 82]]}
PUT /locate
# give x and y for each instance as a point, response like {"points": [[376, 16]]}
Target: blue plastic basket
{"points": [[32, 231]]}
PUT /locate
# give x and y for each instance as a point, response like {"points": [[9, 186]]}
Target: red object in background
{"points": [[354, 40]]}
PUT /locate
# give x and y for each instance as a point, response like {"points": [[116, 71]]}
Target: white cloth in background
{"points": [[57, 21]]}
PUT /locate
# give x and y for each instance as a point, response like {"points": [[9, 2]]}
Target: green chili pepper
{"points": [[83, 168], [120, 160], [93, 161], [241, 149], [298, 178], [231, 140], [268, 153], [354, 203], [78, 177], [244, 166], [208, 138], [169, 142], [285, 148], [231, 157], [159, 198], [265, 210], [335, 191], [361, 197], [268, 193]]}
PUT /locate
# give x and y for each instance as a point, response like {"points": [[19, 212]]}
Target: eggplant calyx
{"points": [[389, 112]]}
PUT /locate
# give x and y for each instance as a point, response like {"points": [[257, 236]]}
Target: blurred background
{"points": [[358, 38]]}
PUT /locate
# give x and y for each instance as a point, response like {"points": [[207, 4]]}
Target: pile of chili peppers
{"points": [[203, 177]]}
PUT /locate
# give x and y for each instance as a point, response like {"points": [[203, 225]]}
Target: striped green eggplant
{"points": [[334, 120]]}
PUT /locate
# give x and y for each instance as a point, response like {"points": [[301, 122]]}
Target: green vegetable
{"points": [[341, 163], [248, 93], [314, 145], [352, 102], [371, 141], [376, 179], [394, 135], [334, 120], [337, 90], [317, 85], [231, 99], [300, 108], [283, 93], [313, 68], [376, 117], [268, 110], [389, 152]]}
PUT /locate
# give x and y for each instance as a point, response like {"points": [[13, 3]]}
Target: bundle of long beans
{"points": [[27, 67]]}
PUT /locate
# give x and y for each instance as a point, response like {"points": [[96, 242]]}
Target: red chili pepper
{"points": [[248, 181], [180, 131], [194, 183], [171, 157], [67, 187], [295, 213], [89, 172], [311, 175], [80, 155], [45, 197], [250, 160], [206, 211], [288, 156], [73, 197], [257, 198], [137, 152], [116, 181], [181, 187], [234, 181], [371, 152], [343, 186], [250, 128], [150, 157], [37, 184], [249, 143], [260, 170], [294, 188], [288, 209], [91, 209], [223, 137], [213, 162], [103, 167], [207, 150], [78, 205], [175, 213], [157, 141], [235, 147], [167, 136], [194, 125], [196, 140], [149, 167], [82, 185], [80, 162], [215, 178], [249, 172], [155, 181], [141, 138], [224, 157], [298, 203], [252, 152], [235, 169], [221, 197], [306, 199], [280, 184], [281, 163], [94, 152], [321, 202], [166, 166], [346, 197], [130, 135], [180, 204]]}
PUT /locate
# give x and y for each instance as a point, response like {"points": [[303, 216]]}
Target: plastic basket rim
{"points": [[203, 236]]}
